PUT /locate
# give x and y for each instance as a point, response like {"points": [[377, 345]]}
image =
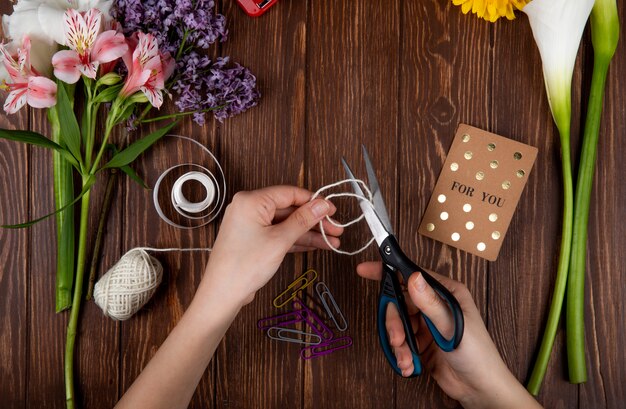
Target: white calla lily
{"points": [[557, 26]]}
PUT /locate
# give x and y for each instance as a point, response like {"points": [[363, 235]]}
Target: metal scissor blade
{"points": [[377, 227], [377, 196]]}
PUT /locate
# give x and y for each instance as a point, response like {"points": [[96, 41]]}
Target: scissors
{"points": [[394, 261]]}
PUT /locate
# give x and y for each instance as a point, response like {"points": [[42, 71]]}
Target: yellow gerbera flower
{"points": [[491, 10]]}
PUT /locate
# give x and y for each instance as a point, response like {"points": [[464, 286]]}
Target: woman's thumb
{"points": [[304, 219], [431, 305]]}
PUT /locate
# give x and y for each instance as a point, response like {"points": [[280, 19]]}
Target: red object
{"points": [[256, 8]]}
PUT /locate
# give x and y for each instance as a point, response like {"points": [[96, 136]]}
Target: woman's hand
{"points": [[474, 373], [259, 228]]}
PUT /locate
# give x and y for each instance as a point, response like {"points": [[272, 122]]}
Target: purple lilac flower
{"points": [[197, 83], [168, 20], [204, 84]]}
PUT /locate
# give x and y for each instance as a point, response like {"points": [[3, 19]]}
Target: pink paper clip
{"points": [[326, 348], [313, 320], [281, 320]]}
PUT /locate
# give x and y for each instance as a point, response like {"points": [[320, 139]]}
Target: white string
{"points": [[367, 199], [173, 249]]}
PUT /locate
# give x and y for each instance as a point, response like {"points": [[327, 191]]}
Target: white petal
{"points": [[557, 26], [103, 5], [41, 53], [23, 22], [51, 21]]}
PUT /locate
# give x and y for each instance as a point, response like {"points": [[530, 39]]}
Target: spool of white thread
{"points": [[197, 214], [180, 201]]}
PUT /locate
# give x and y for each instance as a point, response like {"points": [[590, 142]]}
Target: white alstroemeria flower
{"points": [[557, 26], [44, 18], [42, 22]]}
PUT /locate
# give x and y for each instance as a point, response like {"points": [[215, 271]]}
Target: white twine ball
{"points": [[128, 285]]}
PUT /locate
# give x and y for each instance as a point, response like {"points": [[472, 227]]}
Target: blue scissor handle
{"points": [[391, 293], [394, 258]]}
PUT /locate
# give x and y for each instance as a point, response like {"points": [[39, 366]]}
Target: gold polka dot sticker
{"points": [[477, 192]]}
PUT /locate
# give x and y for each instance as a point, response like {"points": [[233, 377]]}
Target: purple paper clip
{"points": [[281, 320], [326, 348], [313, 320]]}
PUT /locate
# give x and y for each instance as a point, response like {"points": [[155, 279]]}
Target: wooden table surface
{"points": [[398, 76]]}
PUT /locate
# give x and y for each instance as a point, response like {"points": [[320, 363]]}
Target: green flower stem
{"points": [[575, 313], [97, 249], [63, 194], [604, 37], [177, 115], [77, 298], [541, 363]]}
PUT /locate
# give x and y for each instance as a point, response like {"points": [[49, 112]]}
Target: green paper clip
{"points": [[300, 283]]}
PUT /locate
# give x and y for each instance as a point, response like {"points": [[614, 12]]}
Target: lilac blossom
{"points": [[184, 28]]}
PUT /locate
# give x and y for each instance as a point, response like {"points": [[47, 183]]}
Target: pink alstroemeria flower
{"points": [[88, 47], [147, 70], [28, 87]]}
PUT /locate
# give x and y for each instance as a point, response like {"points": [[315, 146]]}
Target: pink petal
{"points": [[92, 23], [147, 48], [109, 46], [11, 65], [23, 56], [134, 81], [75, 29], [15, 100], [81, 32], [168, 64], [42, 92], [66, 63], [155, 96], [90, 69]]}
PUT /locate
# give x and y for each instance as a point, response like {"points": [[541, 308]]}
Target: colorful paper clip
{"points": [[326, 348], [293, 335], [313, 320], [300, 283], [281, 320], [334, 313]]}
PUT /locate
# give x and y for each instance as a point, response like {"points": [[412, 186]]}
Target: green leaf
{"points": [[131, 153], [86, 188], [70, 132], [134, 176], [34, 138], [108, 94]]}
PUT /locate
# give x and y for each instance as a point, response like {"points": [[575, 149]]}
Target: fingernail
{"points": [[420, 283], [320, 208]]}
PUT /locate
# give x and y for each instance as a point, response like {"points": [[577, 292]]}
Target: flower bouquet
{"points": [[78, 58]]}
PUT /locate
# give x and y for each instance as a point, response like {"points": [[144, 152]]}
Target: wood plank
{"points": [[352, 98], [142, 335], [14, 244], [96, 354], [522, 280], [262, 147], [444, 82], [605, 288], [47, 329], [98, 346]]}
